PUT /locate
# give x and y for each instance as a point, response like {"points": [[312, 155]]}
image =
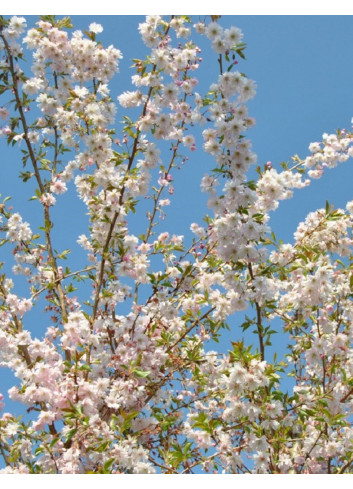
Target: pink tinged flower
{"points": [[19, 137], [15, 27], [213, 30], [177, 240], [11, 429], [6, 131], [233, 36], [24, 306], [314, 147], [32, 86], [164, 202], [200, 28], [18, 306], [95, 28], [48, 199], [45, 418], [219, 46], [58, 187], [4, 113], [144, 248], [131, 99], [76, 330], [188, 141], [162, 238], [204, 440]]}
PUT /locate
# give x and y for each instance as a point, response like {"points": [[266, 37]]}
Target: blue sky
{"points": [[304, 75]]}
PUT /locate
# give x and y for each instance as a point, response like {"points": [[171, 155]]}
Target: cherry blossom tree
{"points": [[126, 381]]}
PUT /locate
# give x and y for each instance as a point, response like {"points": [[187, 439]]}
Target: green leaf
{"points": [[141, 373], [107, 465], [63, 254], [54, 441], [70, 434]]}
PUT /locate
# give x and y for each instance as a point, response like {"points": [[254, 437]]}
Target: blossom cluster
{"points": [[122, 377]]}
